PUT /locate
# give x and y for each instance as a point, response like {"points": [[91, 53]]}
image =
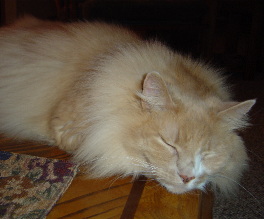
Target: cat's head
{"points": [[183, 142], [185, 146]]}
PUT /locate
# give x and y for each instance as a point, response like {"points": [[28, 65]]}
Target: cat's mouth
{"points": [[186, 185]]}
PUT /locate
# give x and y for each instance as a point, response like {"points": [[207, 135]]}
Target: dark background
{"points": [[227, 33]]}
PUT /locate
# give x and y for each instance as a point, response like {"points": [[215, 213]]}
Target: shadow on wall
{"points": [[227, 33]]}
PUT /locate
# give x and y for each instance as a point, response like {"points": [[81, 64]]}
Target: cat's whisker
{"points": [[139, 161], [155, 186], [241, 186], [114, 180], [98, 158], [142, 163], [135, 162], [256, 113], [145, 180], [254, 154], [150, 179], [148, 175], [146, 171]]}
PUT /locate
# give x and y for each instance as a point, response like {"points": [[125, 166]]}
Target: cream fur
{"points": [[119, 104]]}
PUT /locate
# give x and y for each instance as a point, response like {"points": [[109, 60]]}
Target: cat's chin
{"points": [[179, 189], [182, 188]]}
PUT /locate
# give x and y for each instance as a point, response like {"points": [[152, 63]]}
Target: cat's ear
{"points": [[235, 112], [154, 93]]}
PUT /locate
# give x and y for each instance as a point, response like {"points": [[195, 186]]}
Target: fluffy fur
{"points": [[119, 104]]}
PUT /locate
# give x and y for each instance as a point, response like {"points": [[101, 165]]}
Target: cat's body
{"points": [[123, 105]]}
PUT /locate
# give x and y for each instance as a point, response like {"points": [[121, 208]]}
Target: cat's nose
{"points": [[186, 179]]}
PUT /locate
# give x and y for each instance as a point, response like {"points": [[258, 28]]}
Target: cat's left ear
{"points": [[235, 112], [154, 93]]}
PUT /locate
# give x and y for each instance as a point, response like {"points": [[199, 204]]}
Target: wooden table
{"points": [[116, 198]]}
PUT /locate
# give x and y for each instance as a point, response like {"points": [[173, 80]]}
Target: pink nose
{"points": [[186, 179]]}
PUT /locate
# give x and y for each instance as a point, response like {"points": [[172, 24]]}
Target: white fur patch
{"points": [[198, 166]]}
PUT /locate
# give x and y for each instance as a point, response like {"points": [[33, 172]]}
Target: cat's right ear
{"points": [[155, 95], [235, 113]]}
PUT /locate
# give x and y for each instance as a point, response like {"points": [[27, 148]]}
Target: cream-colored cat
{"points": [[120, 104]]}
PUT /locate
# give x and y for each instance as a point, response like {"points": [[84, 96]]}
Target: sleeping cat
{"points": [[121, 105]]}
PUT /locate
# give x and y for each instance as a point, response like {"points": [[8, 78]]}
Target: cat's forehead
{"points": [[197, 119], [188, 126], [168, 125]]}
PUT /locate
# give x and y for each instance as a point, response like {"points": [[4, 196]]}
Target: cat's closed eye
{"points": [[169, 145]]}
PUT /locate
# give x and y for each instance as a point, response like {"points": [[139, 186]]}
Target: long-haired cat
{"points": [[120, 104]]}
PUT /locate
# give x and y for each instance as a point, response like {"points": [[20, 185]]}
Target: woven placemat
{"points": [[30, 186]]}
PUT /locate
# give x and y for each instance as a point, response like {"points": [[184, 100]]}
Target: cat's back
{"points": [[32, 35], [40, 60]]}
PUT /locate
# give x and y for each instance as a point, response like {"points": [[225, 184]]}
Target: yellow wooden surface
{"points": [[157, 203], [106, 198], [92, 198]]}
